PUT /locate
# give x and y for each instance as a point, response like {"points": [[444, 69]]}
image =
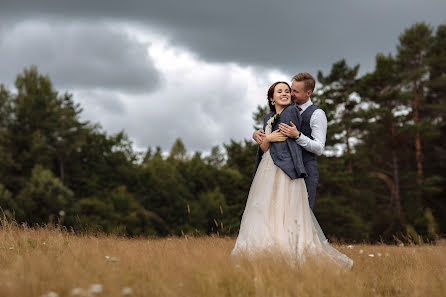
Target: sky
{"points": [[193, 69]]}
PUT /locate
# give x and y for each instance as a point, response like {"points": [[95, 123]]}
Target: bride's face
{"points": [[282, 95]]}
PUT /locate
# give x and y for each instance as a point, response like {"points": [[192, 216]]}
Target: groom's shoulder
{"points": [[317, 109], [314, 106], [290, 110]]}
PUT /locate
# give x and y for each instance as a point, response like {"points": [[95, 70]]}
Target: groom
{"points": [[312, 134]]}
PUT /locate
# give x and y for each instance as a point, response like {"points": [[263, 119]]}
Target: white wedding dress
{"points": [[278, 218]]}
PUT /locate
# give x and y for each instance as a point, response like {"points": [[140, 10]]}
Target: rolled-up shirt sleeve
{"points": [[318, 124]]}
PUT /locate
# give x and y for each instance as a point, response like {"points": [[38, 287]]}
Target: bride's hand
{"points": [[276, 136], [258, 136]]}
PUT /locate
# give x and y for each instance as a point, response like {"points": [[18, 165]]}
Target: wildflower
{"points": [[371, 255], [114, 259], [62, 213], [78, 292], [379, 254], [51, 294], [95, 289], [127, 291], [350, 247], [361, 251], [11, 248]]}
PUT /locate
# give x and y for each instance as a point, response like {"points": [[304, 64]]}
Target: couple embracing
{"points": [[278, 216]]}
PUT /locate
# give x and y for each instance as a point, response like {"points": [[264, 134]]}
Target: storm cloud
{"points": [[290, 35], [78, 55], [193, 69]]}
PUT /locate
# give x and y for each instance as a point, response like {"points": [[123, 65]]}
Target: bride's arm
{"points": [[265, 145], [275, 136]]}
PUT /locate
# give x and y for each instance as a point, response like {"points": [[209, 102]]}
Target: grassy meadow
{"points": [[54, 262]]}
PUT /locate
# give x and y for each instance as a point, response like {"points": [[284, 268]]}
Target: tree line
{"points": [[383, 176]]}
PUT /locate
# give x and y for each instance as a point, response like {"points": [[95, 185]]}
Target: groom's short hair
{"points": [[308, 79]]}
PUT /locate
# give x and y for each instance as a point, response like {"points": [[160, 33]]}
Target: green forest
{"points": [[383, 180]]}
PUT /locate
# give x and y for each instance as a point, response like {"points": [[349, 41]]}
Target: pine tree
{"points": [[381, 89], [413, 50], [338, 98]]}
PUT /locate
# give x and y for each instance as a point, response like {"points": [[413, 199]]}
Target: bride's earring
{"points": [[273, 103]]}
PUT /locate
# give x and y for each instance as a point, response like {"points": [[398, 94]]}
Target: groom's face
{"points": [[298, 93]]}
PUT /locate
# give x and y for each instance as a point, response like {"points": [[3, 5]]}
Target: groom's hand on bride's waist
{"points": [[259, 136], [290, 131]]}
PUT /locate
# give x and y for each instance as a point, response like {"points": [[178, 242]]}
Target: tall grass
{"points": [[36, 261]]}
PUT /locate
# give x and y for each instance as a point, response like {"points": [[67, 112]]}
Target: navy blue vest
{"points": [[305, 128]]}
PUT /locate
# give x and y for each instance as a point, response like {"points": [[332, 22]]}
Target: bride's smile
{"points": [[281, 96]]}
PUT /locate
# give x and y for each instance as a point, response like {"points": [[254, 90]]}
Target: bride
{"points": [[277, 216]]}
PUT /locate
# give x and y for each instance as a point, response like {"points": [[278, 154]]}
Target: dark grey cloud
{"points": [[291, 35], [235, 48], [98, 104], [77, 55]]}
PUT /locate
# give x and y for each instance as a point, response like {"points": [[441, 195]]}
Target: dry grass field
{"points": [[52, 262]]}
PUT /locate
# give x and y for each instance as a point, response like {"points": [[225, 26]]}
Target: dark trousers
{"points": [[311, 180]]}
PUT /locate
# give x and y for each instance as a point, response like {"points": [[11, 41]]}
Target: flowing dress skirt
{"points": [[278, 219]]}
